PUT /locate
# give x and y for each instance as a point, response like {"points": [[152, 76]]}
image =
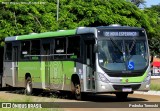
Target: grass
{"points": [[155, 84], [155, 87]]}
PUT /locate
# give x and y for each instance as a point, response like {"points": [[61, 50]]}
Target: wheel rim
{"points": [[77, 90], [28, 87]]}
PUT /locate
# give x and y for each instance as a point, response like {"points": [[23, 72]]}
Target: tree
{"points": [[31, 16], [138, 2], [19, 18], [154, 37]]}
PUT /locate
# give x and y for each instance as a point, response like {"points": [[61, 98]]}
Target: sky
{"points": [[152, 2]]}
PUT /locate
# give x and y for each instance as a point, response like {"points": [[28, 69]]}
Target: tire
{"points": [[76, 91], [28, 88], [78, 94], [121, 96]]}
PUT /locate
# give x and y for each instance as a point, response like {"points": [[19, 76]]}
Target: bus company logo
{"points": [[6, 105]]}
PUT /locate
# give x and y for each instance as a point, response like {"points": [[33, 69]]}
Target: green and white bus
{"points": [[106, 59]]}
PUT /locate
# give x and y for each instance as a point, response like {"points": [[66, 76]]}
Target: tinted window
{"points": [[8, 55], [73, 50], [25, 50], [35, 50], [45, 51], [60, 48]]}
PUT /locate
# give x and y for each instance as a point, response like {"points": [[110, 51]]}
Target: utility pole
{"points": [[57, 9]]}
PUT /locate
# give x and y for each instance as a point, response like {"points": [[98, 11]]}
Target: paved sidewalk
{"points": [[148, 93]]}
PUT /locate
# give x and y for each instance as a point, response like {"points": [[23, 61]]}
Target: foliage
{"points": [[154, 36], [138, 2], [29, 16], [23, 18], [155, 87]]}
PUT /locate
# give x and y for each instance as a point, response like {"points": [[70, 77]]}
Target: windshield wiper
{"points": [[133, 43], [115, 44], [131, 48]]}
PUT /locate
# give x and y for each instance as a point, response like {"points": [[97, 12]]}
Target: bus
{"points": [[105, 59]]}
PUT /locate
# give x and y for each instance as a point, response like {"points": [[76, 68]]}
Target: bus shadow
{"points": [[111, 98], [65, 95]]}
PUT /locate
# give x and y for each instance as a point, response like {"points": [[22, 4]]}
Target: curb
{"points": [[148, 93]]}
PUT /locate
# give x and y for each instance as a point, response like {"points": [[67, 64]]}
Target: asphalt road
{"points": [[133, 99], [91, 102]]}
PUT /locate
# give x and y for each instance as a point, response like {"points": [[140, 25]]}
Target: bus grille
{"points": [[120, 74], [120, 87]]}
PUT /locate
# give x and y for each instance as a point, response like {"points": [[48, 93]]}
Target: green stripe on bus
{"points": [[60, 70], [47, 34], [52, 71], [33, 68], [134, 79]]}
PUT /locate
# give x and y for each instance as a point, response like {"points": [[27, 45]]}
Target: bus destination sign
{"points": [[121, 34]]}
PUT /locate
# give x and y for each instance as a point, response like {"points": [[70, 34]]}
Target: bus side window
{"points": [[35, 50], [73, 49], [60, 48], [1, 60], [8, 55], [25, 50]]}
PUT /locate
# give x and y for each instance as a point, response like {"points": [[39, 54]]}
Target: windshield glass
{"points": [[122, 54]]}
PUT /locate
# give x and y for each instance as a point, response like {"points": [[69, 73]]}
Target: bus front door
{"points": [[90, 60], [46, 62]]}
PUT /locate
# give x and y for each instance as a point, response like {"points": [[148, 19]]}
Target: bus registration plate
{"points": [[127, 89]]}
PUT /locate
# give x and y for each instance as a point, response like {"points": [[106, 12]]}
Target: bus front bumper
{"points": [[103, 87]]}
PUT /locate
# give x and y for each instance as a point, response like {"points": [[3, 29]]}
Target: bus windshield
{"points": [[122, 54]]}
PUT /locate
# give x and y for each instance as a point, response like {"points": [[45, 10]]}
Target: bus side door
{"points": [[90, 61], [46, 46]]}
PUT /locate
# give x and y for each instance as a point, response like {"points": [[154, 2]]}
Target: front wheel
{"points": [[28, 88], [78, 94], [76, 91]]}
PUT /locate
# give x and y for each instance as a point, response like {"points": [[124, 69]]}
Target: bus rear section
{"points": [[1, 65]]}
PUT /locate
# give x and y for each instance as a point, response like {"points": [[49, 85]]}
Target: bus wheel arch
{"points": [[27, 75], [28, 84], [76, 87]]}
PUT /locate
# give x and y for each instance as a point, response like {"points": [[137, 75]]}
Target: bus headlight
{"points": [[102, 77]]}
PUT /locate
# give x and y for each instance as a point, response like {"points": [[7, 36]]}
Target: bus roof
{"points": [[79, 30], [119, 27], [42, 35]]}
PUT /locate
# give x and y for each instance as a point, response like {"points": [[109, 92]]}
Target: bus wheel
{"points": [[28, 89], [121, 96], [78, 95]]}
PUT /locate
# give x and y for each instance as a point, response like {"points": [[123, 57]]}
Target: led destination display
{"points": [[121, 33]]}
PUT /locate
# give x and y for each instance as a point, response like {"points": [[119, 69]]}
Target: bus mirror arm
{"points": [[95, 48], [91, 65]]}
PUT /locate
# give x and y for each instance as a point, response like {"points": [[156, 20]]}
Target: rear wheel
{"points": [[28, 88]]}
